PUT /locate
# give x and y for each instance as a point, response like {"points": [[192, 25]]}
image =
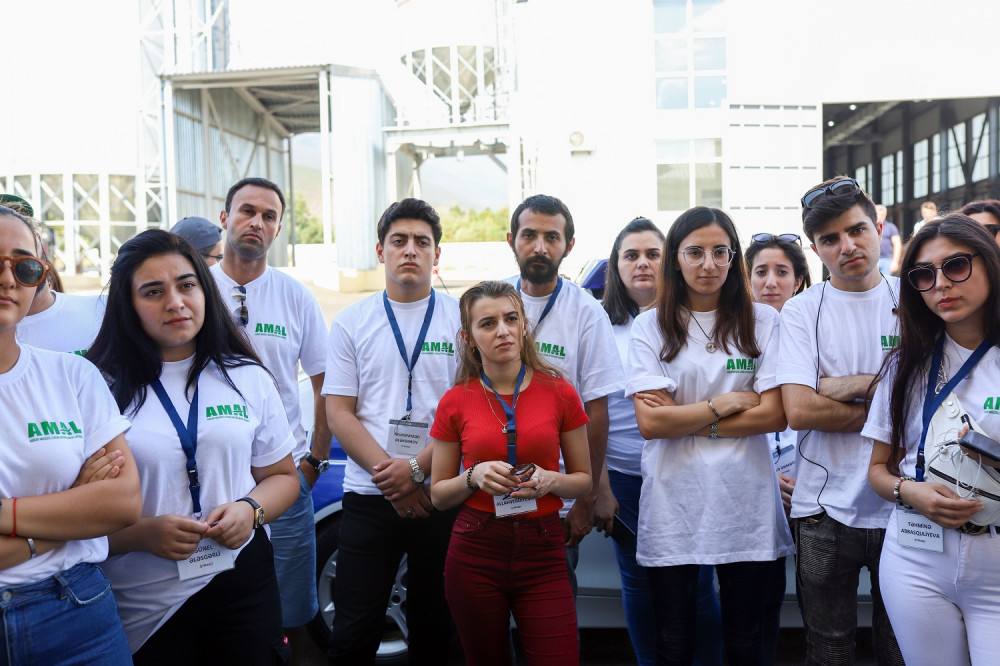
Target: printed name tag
{"points": [[512, 506], [208, 558], [407, 437], [916, 531]]}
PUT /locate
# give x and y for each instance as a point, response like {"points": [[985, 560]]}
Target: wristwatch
{"points": [[258, 512], [417, 476], [321, 466]]}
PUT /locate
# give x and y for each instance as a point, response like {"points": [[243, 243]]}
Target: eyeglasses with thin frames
{"points": [[27, 271], [768, 238], [241, 312], [956, 269], [695, 256]]}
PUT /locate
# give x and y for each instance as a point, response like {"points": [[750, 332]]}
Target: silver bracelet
{"points": [[715, 430], [31, 546], [714, 410]]}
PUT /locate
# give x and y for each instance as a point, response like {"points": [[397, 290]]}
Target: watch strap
{"points": [[258, 511]]}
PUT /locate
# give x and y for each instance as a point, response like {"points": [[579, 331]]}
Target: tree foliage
{"points": [[471, 225], [308, 227]]}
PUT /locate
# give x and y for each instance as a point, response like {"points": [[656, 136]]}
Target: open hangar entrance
{"points": [[906, 152]]}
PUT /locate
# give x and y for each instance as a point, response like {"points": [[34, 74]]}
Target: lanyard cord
{"points": [[511, 429], [188, 437], [412, 361]]}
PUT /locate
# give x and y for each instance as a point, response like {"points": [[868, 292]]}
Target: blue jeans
{"points": [[829, 560], [637, 598], [293, 536], [68, 618]]}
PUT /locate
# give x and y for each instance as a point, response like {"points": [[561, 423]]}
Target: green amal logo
{"points": [[992, 405], [741, 365], [46, 430], [271, 330], [553, 351], [438, 348], [889, 342], [238, 412]]}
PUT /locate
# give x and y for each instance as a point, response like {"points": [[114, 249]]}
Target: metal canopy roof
{"points": [[289, 96]]}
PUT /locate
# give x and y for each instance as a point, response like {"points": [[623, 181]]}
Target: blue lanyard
{"points": [[188, 437], [933, 400], [412, 361], [508, 410], [548, 304]]}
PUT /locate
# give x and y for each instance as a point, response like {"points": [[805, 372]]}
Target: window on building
{"points": [[956, 156], [936, 163], [900, 175], [981, 139], [690, 54], [888, 181], [861, 175], [688, 173], [920, 169]]}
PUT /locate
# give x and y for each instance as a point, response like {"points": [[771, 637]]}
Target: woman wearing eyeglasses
{"points": [[56, 604], [778, 271], [943, 602], [701, 373], [506, 421], [194, 578]]}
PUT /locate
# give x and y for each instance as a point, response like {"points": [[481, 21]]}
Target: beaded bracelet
{"points": [[895, 492], [468, 476]]}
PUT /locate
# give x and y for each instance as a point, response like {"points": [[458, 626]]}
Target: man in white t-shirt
{"points": [[285, 325], [833, 339], [390, 359], [572, 332], [62, 322]]}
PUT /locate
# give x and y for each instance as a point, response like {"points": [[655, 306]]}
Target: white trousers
{"points": [[944, 607]]}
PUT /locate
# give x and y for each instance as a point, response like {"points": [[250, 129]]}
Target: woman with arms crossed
{"points": [[56, 603], [701, 369], [506, 421], [194, 578], [944, 605]]}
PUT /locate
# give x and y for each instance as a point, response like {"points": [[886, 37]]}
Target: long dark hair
{"points": [[128, 357], [617, 303], [920, 329], [736, 323], [796, 257]]}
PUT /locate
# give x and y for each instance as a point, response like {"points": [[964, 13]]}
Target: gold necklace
{"points": [[503, 424]]}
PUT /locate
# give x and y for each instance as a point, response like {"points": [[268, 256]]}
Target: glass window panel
{"points": [[672, 93], [956, 156], [672, 151], [981, 138], [936, 163], [708, 185], [899, 176], [669, 16], [671, 55], [920, 169], [707, 148], [710, 53], [888, 184], [708, 15], [861, 175], [672, 184], [709, 91]]}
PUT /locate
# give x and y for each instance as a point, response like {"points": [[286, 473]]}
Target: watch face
{"points": [[418, 477], [323, 466], [259, 515]]}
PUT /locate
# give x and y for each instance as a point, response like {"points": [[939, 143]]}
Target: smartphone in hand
{"points": [[622, 533]]}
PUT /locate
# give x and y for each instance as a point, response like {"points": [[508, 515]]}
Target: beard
{"points": [[538, 270]]}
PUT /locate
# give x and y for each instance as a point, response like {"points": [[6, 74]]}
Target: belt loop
{"points": [[62, 585]]}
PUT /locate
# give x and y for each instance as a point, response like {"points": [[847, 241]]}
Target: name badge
{"points": [[916, 531], [208, 558], [512, 506], [407, 437]]}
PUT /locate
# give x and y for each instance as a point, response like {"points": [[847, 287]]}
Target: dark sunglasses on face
{"points": [[956, 269], [27, 271], [767, 238], [840, 187], [241, 312]]}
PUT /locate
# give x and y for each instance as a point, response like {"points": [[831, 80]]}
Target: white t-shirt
{"points": [[57, 411], [707, 501], [234, 434], [70, 324], [856, 330], [782, 447], [978, 393], [285, 327], [364, 361], [624, 441]]}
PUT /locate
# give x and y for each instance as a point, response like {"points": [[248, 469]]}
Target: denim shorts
{"points": [[68, 618]]}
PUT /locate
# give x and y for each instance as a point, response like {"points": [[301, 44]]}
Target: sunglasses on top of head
{"points": [[767, 238], [27, 271], [842, 186]]}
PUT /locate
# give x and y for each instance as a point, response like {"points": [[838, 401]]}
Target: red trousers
{"points": [[502, 566]]}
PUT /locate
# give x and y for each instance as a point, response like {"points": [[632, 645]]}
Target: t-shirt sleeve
{"points": [[104, 421], [573, 415], [600, 369], [796, 346], [273, 439], [312, 354], [767, 369], [341, 362], [445, 427], [644, 367], [878, 427]]}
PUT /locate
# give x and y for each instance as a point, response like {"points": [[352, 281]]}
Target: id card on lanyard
{"points": [[505, 505], [209, 557], [407, 437]]}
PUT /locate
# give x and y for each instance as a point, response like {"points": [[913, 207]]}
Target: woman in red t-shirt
{"points": [[506, 420]]}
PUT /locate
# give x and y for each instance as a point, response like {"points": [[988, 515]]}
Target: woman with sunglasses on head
{"points": [[506, 421], [194, 578], [944, 603], [778, 271], [986, 213], [701, 373], [630, 288], [57, 606]]}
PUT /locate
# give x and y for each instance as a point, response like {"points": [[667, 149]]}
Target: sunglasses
{"points": [[994, 229], [695, 256], [27, 271], [840, 187], [241, 312], [768, 238], [956, 269]]}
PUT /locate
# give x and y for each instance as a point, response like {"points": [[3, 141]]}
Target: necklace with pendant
{"points": [[710, 345], [503, 425]]}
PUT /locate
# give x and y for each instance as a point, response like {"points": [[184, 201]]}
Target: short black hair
{"points": [[833, 204], [545, 205], [409, 209], [256, 182]]}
